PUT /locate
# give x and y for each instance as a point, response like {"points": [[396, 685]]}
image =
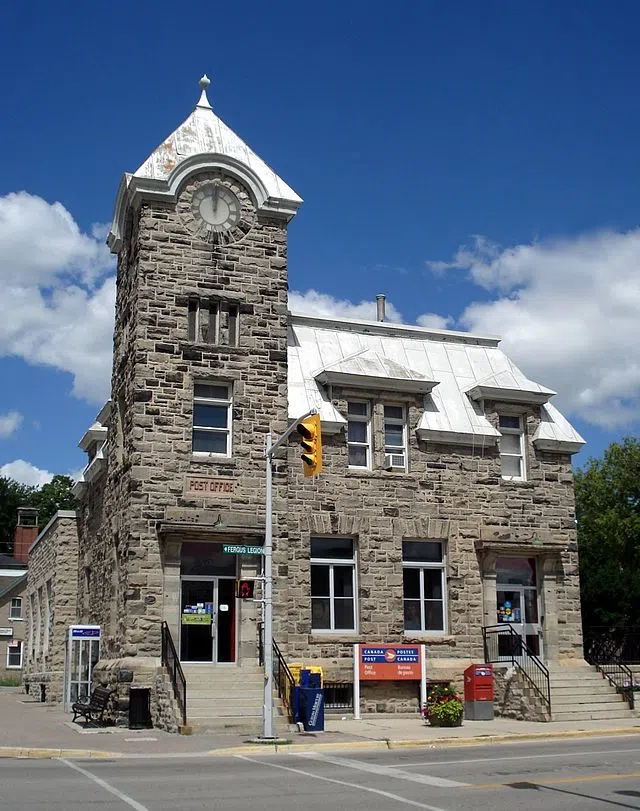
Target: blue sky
{"points": [[476, 162]]}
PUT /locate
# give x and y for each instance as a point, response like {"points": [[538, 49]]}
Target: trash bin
{"points": [[139, 708], [312, 709], [478, 693]]}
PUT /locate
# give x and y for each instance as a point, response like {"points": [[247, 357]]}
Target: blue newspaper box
{"points": [[312, 709], [296, 703]]}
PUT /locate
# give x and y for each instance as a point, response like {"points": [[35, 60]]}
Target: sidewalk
{"points": [[31, 729]]}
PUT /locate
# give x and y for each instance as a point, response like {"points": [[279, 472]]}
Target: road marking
{"points": [[560, 781], [433, 764], [386, 771], [116, 792], [395, 797]]}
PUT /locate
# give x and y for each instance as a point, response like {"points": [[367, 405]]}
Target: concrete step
{"points": [[213, 703], [220, 694], [570, 701], [603, 689], [585, 713], [585, 684]]}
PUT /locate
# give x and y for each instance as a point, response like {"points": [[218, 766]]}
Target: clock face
{"points": [[215, 208]]}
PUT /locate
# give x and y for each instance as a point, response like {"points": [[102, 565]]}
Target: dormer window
{"points": [[511, 447]]}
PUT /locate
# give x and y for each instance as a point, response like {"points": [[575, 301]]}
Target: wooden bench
{"points": [[94, 708]]}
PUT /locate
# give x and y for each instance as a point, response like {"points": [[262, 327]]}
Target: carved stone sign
{"points": [[212, 488]]}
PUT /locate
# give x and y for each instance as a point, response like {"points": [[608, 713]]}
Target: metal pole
{"points": [[268, 599]]}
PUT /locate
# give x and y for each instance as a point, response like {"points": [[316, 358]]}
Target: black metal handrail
{"points": [[283, 678], [171, 661], [620, 677], [612, 644], [503, 644]]}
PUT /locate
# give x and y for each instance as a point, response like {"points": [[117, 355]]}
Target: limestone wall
{"points": [[53, 571]]}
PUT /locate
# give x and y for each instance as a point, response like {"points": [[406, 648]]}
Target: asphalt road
{"points": [[576, 775]]}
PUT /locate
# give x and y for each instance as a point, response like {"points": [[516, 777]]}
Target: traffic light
{"points": [[245, 589], [311, 442]]}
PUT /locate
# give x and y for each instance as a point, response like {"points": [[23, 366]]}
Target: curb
{"points": [[382, 744], [421, 743], [40, 753]]}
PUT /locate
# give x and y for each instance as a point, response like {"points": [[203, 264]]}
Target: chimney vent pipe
{"points": [[380, 301]]}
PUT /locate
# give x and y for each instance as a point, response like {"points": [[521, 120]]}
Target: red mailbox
{"points": [[478, 683]]}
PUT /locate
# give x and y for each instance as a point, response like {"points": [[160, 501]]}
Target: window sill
{"points": [[332, 636], [434, 637], [228, 461], [16, 619], [362, 473], [516, 483], [14, 667]]}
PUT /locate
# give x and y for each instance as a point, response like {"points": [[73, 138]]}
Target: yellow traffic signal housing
{"points": [[311, 442]]}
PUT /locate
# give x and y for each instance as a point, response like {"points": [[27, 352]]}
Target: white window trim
{"points": [[522, 456], [211, 311], [366, 419], [20, 617], [331, 562], [442, 567], [16, 667], [228, 402], [397, 449]]}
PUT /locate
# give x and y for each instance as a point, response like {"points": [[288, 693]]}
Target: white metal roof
{"points": [[453, 369]]}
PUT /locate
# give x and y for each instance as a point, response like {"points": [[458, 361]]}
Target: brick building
{"points": [[446, 500]]}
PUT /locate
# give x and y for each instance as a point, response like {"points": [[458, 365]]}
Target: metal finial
{"points": [[204, 82]]}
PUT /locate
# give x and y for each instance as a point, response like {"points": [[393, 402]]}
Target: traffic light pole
{"points": [[270, 448]]}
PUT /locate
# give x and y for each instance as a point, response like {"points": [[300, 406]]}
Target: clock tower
{"points": [[199, 377]]}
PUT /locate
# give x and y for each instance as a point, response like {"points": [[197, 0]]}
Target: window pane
{"points": [[357, 456], [531, 606], [209, 442], [423, 551], [359, 409], [357, 432], [394, 412], [211, 391], [412, 615], [210, 416], [510, 443], [516, 570], [343, 614], [432, 584], [331, 548], [433, 618], [506, 421], [319, 581], [394, 435], [343, 581], [320, 613], [411, 583], [510, 465]]}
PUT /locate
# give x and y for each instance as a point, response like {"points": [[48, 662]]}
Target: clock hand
{"points": [[216, 193]]}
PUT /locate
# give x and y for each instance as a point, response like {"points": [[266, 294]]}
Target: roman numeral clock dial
{"points": [[216, 211]]}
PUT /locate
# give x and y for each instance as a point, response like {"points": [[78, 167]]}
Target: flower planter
{"points": [[444, 708]]}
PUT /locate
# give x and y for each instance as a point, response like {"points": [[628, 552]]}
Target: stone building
{"points": [[51, 597], [446, 499]]}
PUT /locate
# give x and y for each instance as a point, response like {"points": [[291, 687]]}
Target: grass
{"points": [[10, 682]]}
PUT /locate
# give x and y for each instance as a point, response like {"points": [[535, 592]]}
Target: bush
{"points": [[443, 707]]}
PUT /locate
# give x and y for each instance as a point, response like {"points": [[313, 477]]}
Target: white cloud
{"points": [[25, 473], [57, 306], [435, 321], [568, 311], [324, 304], [9, 424]]}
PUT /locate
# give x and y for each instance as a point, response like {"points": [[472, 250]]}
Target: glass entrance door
{"points": [[517, 603], [207, 620]]}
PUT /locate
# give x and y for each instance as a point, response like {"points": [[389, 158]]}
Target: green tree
{"points": [[53, 496], [608, 512], [12, 495]]}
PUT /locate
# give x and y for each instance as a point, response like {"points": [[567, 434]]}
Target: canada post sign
{"points": [[390, 663]]}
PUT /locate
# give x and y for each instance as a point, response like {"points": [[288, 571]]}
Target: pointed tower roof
{"points": [[202, 141]]}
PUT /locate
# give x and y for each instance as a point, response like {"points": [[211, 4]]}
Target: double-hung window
{"points": [[359, 433], [15, 610], [424, 586], [333, 584], [511, 447], [212, 404], [14, 654], [395, 437]]}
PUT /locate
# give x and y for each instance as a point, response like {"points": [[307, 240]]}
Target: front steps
{"points": [[580, 693], [228, 698]]}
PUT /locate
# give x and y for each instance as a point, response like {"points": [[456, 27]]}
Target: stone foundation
{"points": [[515, 698], [122, 674]]}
